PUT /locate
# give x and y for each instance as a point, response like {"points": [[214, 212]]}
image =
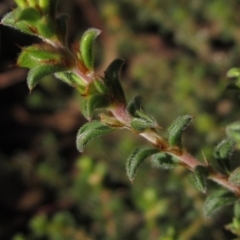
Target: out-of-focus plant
{"points": [[75, 66]]}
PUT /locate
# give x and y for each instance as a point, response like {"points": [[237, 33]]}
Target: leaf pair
{"points": [[141, 120], [42, 60], [39, 54]]}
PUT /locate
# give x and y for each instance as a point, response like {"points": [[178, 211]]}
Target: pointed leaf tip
{"points": [[136, 158]]}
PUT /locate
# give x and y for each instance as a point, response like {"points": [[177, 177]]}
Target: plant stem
{"points": [[186, 159]]}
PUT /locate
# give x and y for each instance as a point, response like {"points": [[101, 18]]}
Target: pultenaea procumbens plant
{"points": [[75, 66]]}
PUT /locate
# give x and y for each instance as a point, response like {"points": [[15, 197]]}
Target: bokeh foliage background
{"points": [[177, 54]]}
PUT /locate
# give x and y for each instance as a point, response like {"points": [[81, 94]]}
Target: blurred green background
{"points": [[177, 54]]}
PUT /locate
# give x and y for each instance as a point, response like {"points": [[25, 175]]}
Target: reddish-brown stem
{"points": [[187, 160]]}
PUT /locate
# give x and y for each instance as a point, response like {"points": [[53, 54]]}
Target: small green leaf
{"points": [[111, 121], [134, 105], [222, 154], [36, 55], [140, 124], [234, 177], [234, 72], [29, 14], [72, 79], [100, 86], [145, 116], [176, 129], [217, 200], [199, 178], [37, 73], [89, 131], [89, 104], [10, 20], [49, 32], [111, 80], [136, 158], [164, 161], [86, 46]]}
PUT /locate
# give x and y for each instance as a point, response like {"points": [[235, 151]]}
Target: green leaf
{"points": [[111, 80], [37, 73], [86, 46], [222, 154], [72, 79], [100, 86], [36, 55], [10, 20], [234, 72], [89, 104], [217, 200], [234, 177], [164, 161], [49, 32], [140, 124], [145, 116], [141, 120], [136, 158], [111, 121], [176, 129], [199, 178], [134, 105], [89, 131], [29, 14]]}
